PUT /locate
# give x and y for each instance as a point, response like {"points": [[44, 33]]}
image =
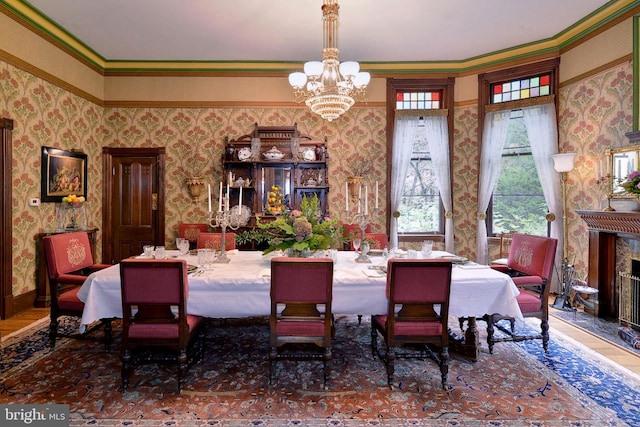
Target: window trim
{"points": [[446, 86], [485, 81]]}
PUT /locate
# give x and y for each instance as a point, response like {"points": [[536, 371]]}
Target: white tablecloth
{"points": [[241, 289]]}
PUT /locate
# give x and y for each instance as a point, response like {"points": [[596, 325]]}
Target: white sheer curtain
{"points": [[493, 137], [404, 135], [437, 135], [542, 130]]}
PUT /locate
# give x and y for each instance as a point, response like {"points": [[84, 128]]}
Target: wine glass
{"points": [[356, 244]]}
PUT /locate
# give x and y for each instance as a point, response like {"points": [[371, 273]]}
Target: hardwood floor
{"points": [[615, 353]]}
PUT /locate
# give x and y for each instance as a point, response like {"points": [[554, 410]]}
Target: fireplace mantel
{"points": [[604, 227], [613, 222]]}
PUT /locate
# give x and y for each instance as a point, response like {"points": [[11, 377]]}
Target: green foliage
{"points": [[299, 230], [518, 201]]}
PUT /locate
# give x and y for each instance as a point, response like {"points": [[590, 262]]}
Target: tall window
{"points": [[518, 127], [417, 152], [420, 207], [518, 201]]}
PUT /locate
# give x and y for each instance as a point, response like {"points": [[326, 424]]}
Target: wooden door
{"points": [[133, 201]]}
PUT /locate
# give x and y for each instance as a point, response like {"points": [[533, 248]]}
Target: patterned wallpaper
{"points": [[594, 114]]}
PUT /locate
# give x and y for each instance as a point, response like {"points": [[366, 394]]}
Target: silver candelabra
{"points": [[232, 218], [362, 219]]}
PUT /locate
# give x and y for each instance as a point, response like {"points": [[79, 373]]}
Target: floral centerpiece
{"points": [[298, 232], [632, 184]]}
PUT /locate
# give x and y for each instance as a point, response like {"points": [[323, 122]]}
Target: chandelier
{"points": [[329, 88]]}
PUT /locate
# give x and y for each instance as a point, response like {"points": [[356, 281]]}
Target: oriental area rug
{"points": [[518, 385]]}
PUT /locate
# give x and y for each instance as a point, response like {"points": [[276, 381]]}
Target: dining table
{"points": [[241, 288]]}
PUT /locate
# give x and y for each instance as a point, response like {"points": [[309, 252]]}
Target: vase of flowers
{"points": [[632, 186], [298, 233]]}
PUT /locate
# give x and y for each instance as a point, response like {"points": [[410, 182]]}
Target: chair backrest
{"points": [[191, 231], [415, 289], [505, 243], [301, 280], [532, 255], [378, 240], [214, 241], [151, 287], [147, 281], [353, 230], [67, 252]]}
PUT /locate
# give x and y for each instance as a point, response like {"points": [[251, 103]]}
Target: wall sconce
{"points": [[195, 186], [563, 164]]}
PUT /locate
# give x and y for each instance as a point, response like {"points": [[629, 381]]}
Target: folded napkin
{"points": [[231, 251], [372, 273], [473, 266], [265, 272]]}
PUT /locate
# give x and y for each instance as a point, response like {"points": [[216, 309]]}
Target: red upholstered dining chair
{"points": [[69, 262], [214, 241], [155, 323], [301, 294], [350, 232], [418, 292], [530, 264], [191, 232], [377, 240]]}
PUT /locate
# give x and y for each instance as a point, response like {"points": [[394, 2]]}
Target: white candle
{"points": [[376, 195], [601, 169], [220, 198], [240, 199], [227, 201], [346, 196], [209, 199], [366, 200], [359, 198]]}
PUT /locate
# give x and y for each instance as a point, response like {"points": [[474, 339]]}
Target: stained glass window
{"points": [[418, 100], [530, 87]]}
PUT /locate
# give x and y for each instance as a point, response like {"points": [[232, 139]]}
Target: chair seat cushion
{"points": [[69, 301], [71, 279], [528, 302], [310, 329], [162, 330], [417, 329], [527, 280]]}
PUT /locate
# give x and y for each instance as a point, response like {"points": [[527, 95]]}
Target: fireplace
{"points": [[629, 295], [604, 229]]}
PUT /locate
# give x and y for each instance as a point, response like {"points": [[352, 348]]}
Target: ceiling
{"points": [[291, 30]]}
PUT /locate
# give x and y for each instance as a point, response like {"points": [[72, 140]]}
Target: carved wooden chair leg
{"points": [[391, 357], [444, 366]]}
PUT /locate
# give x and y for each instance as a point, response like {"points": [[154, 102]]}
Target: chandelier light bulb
{"points": [[297, 80]]}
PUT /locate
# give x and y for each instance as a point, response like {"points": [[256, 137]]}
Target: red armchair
{"points": [[69, 262], [214, 241], [530, 264], [191, 232]]}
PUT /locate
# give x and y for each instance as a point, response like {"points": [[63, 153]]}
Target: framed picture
{"points": [[63, 173]]}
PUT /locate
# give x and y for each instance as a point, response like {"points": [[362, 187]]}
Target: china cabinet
{"points": [[273, 168]]}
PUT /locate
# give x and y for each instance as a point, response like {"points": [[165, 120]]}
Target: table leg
{"points": [[469, 345]]}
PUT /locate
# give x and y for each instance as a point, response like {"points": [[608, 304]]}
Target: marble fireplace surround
{"points": [[604, 229]]}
